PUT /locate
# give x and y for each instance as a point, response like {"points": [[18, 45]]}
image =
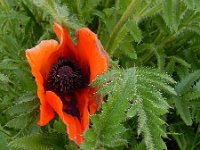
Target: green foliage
{"points": [[150, 105], [84, 9], [192, 4], [58, 11], [185, 94], [143, 108], [106, 127], [141, 92], [3, 140], [39, 142]]}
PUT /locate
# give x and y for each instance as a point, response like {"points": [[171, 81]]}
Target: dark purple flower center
{"points": [[71, 106], [65, 78]]}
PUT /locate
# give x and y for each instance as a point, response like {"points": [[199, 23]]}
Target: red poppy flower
{"points": [[63, 73]]}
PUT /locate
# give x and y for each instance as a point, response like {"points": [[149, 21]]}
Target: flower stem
{"points": [[4, 131], [68, 25], [127, 13], [106, 3], [78, 7]]}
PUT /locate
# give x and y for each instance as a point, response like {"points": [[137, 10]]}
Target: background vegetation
{"points": [[153, 94]]}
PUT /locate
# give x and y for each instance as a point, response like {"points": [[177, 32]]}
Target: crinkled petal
{"points": [[88, 98], [82, 99], [91, 52], [38, 58], [41, 57], [94, 99], [67, 47], [46, 114], [74, 128], [95, 103]]}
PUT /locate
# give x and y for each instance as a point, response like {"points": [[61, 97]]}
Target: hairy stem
{"points": [[4, 131], [78, 7], [106, 3], [120, 24], [69, 26]]}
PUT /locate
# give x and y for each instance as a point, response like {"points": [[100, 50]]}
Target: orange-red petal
{"points": [[94, 100], [88, 53], [46, 114], [39, 57], [91, 51], [74, 128], [82, 99], [67, 47]]}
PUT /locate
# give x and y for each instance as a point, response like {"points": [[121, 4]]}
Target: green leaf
{"points": [[140, 146], [183, 88], [3, 141], [185, 84], [107, 130], [151, 105], [194, 95], [192, 4], [135, 31], [39, 142], [119, 38], [59, 12], [18, 122], [183, 110], [59, 126], [132, 111], [139, 86], [4, 78], [180, 61], [170, 13], [27, 97], [20, 108]]}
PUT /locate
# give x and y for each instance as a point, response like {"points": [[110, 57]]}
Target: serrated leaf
{"points": [[134, 30], [25, 107], [3, 142], [155, 74], [18, 122], [59, 126], [27, 97], [132, 111], [119, 38], [180, 61], [4, 78], [192, 4], [183, 110], [105, 127], [192, 95], [161, 85], [170, 13], [39, 142], [140, 146], [185, 84]]}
